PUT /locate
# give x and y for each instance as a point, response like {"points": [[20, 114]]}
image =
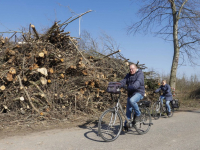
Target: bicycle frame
{"points": [[161, 105], [114, 121], [117, 108]]}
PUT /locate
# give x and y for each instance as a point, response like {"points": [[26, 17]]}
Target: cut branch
{"points": [[30, 101], [36, 33]]}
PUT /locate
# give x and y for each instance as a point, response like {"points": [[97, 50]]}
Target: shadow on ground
{"points": [[93, 135]]}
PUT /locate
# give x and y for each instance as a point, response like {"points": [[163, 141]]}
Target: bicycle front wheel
{"points": [[110, 125], [156, 113], [145, 123]]}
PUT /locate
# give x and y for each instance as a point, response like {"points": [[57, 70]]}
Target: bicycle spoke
{"points": [[110, 125]]}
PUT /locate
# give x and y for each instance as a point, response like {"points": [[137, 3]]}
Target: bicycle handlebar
{"points": [[157, 92]]}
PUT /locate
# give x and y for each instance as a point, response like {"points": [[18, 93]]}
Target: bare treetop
{"points": [[173, 20]]}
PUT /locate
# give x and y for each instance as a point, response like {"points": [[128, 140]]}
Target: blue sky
{"points": [[110, 16]]}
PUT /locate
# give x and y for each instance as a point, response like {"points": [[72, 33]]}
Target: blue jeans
{"points": [[132, 105], [167, 103]]}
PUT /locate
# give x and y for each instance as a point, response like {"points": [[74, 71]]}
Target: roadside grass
{"points": [[188, 101]]}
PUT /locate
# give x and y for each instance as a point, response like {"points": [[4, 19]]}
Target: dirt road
{"points": [[181, 132]]}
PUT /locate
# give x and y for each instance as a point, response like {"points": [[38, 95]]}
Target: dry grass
{"points": [[186, 100]]}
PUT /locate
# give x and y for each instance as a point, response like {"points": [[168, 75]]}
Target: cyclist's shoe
{"points": [[133, 122], [169, 114], [134, 116], [138, 118], [125, 128]]}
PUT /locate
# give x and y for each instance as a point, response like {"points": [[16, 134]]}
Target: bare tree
{"points": [[109, 44], [105, 44], [174, 20], [88, 43]]}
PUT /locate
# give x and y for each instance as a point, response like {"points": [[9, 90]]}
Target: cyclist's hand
{"points": [[125, 88]]}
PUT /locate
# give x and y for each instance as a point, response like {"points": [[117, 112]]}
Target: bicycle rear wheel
{"points": [[110, 125], [156, 113], [144, 125]]}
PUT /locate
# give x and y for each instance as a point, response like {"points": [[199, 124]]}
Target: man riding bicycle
{"points": [[167, 95], [135, 86]]}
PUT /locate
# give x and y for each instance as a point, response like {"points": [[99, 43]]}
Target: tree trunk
{"points": [[176, 48]]}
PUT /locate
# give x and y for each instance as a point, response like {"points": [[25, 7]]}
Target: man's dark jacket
{"points": [[135, 83], [166, 91]]}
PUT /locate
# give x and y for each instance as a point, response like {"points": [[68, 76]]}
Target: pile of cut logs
{"points": [[48, 72]]}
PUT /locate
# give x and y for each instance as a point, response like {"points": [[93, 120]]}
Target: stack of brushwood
{"points": [[48, 74]]}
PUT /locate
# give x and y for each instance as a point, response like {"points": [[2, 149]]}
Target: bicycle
{"points": [[158, 109], [111, 123]]}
